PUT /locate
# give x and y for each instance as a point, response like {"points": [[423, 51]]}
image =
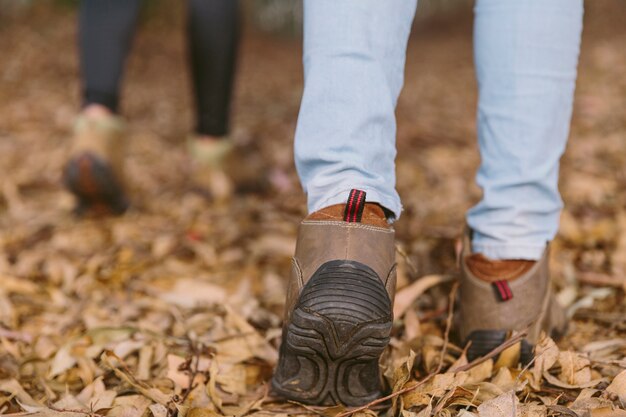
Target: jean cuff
{"points": [[502, 251], [340, 196]]}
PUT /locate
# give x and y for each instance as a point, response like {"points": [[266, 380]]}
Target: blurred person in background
{"points": [[95, 170], [339, 308]]}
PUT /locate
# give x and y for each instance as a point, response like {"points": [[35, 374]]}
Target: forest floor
{"points": [[176, 306]]}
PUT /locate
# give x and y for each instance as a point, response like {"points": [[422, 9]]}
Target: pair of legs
{"points": [[105, 34], [526, 53], [95, 171], [339, 301]]}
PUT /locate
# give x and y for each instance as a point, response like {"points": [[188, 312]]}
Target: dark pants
{"points": [[106, 29]]}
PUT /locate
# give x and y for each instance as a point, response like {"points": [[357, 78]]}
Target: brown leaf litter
{"points": [[175, 308]]}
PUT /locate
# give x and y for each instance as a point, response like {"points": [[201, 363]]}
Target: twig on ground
{"points": [[466, 348], [600, 280], [504, 346], [17, 336], [446, 335], [432, 314], [388, 397], [192, 368], [90, 413], [407, 295], [408, 260], [527, 367]]}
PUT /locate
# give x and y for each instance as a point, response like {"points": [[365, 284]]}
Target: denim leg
{"points": [[354, 54], [526, 53]]}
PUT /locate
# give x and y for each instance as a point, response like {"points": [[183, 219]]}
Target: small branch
{"points": [[406, 258], [17, 336], [388, 397], [65, 410], [446, 335], [600, 280], [527, 367], [193, 368], [504, 346]]}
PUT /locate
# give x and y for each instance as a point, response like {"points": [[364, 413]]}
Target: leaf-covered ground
{"points": [[175, 307]]}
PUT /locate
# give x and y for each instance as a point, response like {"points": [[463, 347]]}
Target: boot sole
{"points": [[484, 341], [339, 328], [95, 186]]}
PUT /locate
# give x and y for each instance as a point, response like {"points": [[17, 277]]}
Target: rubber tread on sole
{"points": [[339, 328], [95, 185]]}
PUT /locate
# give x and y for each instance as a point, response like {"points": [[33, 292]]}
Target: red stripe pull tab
{"points": [[502, 290], [354, 206]]}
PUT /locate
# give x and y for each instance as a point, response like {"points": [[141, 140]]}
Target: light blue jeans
{"points": [[526, 53]]}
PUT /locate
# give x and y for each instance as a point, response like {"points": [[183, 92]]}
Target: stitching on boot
{"points": [[391, 272], [347, 225], [347, 244]]}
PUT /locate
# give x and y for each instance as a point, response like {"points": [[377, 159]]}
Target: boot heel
{"points": [[339, 328]]}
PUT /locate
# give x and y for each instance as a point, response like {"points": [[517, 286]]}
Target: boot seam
{"points": [[393, 268], [391, 271], [544, 314], [347, 225], [296, 265], [347, 251]]}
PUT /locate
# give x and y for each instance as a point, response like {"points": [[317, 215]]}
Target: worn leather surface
{"points": [[373, 214], [320, 241], [496, 270], [104, 138], [532, 302]]}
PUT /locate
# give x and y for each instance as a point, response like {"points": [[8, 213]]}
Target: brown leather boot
{"points": [[94, 172], [498, 297], [339, 306]]}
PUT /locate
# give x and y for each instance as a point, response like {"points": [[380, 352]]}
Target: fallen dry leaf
{"points": [[505, 405], [618, 386], [189, 273], [546, 355], [405, 297], [575, 369]]}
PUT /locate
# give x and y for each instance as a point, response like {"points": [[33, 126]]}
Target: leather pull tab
{"points": [[502, 290], [354, 207]]}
